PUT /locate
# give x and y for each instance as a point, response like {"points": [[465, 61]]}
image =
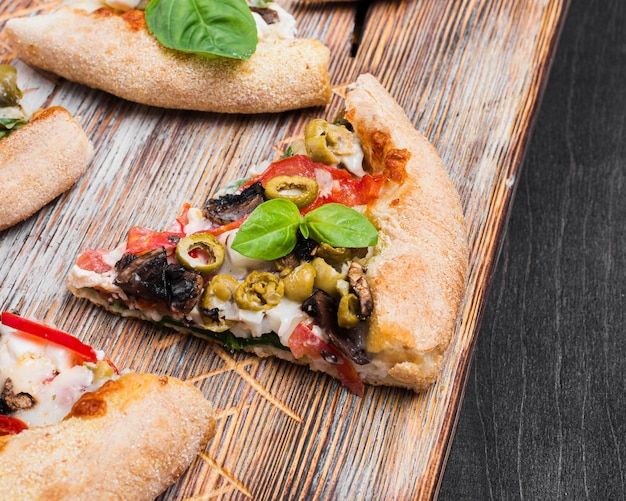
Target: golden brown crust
{"points": [[39, 162], [151, 430], [118, 55], [418, 276]]}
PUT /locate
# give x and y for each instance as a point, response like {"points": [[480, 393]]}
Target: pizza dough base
{"points": [[39, 162], [117, 54], [129, 440]]}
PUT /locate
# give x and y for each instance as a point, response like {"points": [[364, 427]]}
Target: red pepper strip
{"points": [[303, 341], [11, 426], [85, 352]]}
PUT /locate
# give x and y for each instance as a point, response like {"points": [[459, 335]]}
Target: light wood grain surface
{"points": [[469, 74]]}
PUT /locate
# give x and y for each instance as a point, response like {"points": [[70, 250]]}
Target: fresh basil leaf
{"points": [[9, 125], [270, 231], [223, 28], [340, 226]]}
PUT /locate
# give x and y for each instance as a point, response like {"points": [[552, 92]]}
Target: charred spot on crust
{"points": [[136, 19], [90, 405], [11, 402], [233, 206], [151, 277], [351, 342]]}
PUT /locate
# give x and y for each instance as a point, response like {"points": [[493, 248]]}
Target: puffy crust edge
{"points": [[39, 162], [418, 276], [129, 440], [116, 53]]}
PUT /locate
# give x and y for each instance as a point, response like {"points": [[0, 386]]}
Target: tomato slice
{"points": [[345, 189], [142, 240], [85, 353], [11, 426], [303, 341], [93, 260]]}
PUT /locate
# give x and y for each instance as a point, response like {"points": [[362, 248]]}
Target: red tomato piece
{"points": [[303, 341], [11, 426], [93, 260], [142, 240], [347, 189]]}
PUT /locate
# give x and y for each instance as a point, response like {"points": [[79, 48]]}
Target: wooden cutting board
{"points": [[469, 74]]}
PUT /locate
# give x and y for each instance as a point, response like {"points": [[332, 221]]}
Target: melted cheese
{"points": [[47, 372]]}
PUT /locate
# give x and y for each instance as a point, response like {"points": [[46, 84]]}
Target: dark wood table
{"points": [[544, 413]]}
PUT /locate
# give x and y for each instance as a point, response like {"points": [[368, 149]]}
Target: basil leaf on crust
{"points": [[223, 28]]}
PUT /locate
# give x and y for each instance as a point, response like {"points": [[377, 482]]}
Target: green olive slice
{"points": [[220, 290], [302, 191], [261, 290], [347, 312], [316, 144], [200, 252]]}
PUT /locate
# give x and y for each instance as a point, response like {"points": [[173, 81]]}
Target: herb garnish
{"points": [[270, 232], [222, 28]]}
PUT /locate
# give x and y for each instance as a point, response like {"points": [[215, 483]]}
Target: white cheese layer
{"points": [[47, 372]]}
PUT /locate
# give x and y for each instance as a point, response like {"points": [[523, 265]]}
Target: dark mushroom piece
{"points": [[358, 282], [233, 206], [270, 16], [11, 402], [151, 277], [351, 342]]}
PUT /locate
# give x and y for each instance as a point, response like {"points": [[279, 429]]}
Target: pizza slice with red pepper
{"points": [[71, 425], [348, 254]]}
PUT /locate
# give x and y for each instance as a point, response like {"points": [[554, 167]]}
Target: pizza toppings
{"points": [[283, 252], [213, 28], [152, 278], [43, 371], [12, 114], [233, 206]]}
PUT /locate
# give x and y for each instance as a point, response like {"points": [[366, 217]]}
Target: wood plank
{"points": [[469, 74]]}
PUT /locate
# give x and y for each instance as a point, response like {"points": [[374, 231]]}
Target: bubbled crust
{"points": [[129, 440], [39, 162], [418, 276], [117, 54]]}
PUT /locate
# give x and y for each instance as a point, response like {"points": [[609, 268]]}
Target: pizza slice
{"points": [[73, 427], [228, 56], [349, 254], [50, 142]]}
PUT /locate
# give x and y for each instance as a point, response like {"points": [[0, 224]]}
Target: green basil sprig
{"points": [[223, 28], [270, 232]]}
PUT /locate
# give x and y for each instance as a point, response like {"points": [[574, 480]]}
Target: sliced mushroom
{"points": [[233, 206], [151, 277], [270, 16], [358, 282], [11, 402], [351, 342]]}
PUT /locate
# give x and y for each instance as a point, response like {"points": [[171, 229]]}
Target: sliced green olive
{"points": [[333, 255], [326, 277], [201, 252], [347, 311], [10, 94], [302, 191], [261, 290], [221, 289], [316, 144], [325, 141], [299, 282]]}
